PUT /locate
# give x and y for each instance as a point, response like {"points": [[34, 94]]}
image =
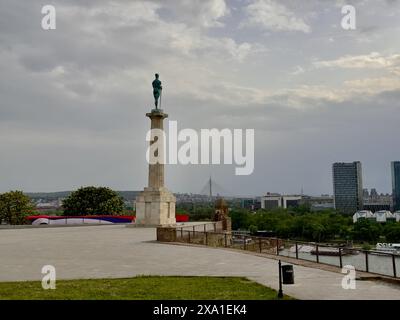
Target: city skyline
{"points": [[73, 98], [221, 189]]}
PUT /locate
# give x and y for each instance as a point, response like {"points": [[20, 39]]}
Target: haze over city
{"points": [[74, 99]]}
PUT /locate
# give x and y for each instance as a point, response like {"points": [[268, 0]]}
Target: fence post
{"points": [[394, 266], [189, 236], [277, 246], [340, 258], [193, 230], [215, 227], [317, 252], [244, 243], [297, 251], [204, 227], [206, 239], [226, 244], [182, 233], [260, 244], [366, 261]]}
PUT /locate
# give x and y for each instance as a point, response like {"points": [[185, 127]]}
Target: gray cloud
{"points": [[73, 100]]}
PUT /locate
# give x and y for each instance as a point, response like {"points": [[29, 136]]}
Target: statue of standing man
{"points": [[157, 90]]}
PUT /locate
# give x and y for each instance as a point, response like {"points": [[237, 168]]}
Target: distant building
{"points": [[384, 216], [381, 216], [250, 203], [271, 201], [376, 206], [374, 194], [318, 203], [396, 185], [276, 200], [363, 214], [347, 186], [376, 202]]}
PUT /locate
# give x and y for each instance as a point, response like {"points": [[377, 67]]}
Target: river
{"points": [[379, 264]]}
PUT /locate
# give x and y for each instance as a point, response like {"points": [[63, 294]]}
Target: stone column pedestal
{"points": [[155, 206]]}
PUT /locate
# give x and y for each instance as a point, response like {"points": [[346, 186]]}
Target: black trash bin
{"points": [[287, 274]]}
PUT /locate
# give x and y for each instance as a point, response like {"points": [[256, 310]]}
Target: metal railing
{"points": [[223, 239], [381, 263], [213, 226]]}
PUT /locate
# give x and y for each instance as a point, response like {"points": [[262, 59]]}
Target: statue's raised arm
{"points": [[157, 90]]}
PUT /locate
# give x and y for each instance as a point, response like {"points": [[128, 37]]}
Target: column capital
{"points": [[157, 113]]}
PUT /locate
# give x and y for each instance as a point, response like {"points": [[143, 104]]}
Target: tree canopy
{"points": [[14, 207], [93, 201], [294, 224]]}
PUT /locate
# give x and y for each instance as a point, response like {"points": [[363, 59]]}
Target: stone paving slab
{"points": [[115, 252]]}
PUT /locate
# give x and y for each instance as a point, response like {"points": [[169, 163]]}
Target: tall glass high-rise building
{"points": [[396, 184], [347, 186]]}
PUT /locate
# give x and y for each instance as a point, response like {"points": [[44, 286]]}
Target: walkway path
{"points": [[115, 252]]}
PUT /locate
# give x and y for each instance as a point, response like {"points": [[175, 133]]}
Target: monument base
{"points": [[155, 207]]}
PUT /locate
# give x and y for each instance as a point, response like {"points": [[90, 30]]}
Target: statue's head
{"points": [[157, 75]]}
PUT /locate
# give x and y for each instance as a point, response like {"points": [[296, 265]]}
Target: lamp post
{"points": [[280, 293]]}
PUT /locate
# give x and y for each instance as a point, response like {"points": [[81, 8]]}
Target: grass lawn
{"points": [[141, 288]]}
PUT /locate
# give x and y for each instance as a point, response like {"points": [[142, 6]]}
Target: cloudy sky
{"points": [[73, 100]]}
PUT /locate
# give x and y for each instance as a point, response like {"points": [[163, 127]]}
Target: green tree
{"points": [[253, 229], [93, 201], [241, 219], [297, 223], [196, 211], [14, 207], [367, 230], [392, 232], [302, 209]]}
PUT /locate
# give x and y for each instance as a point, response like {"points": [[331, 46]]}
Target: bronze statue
{"points": [[157, 90]]}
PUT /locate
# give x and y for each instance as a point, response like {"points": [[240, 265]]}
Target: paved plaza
{"points": [[116, 251]]}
